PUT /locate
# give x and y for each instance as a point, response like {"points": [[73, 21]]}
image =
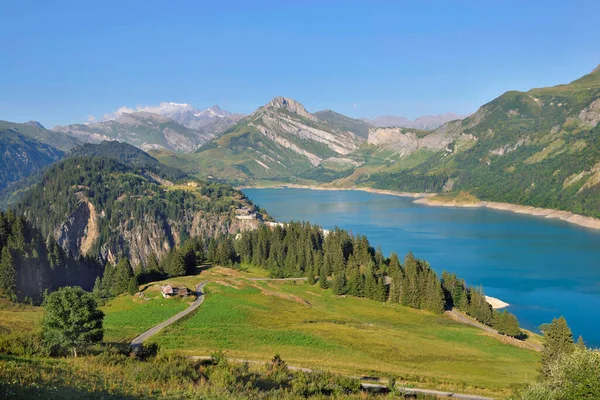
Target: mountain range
{"points": [[537, 147]]}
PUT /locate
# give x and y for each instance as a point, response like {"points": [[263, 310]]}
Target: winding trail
{"points": [[137, 342]]}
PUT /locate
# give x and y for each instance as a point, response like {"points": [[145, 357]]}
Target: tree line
{"points": [[357, 269]]}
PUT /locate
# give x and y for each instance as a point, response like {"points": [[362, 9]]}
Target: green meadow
{"points": [[311, 327]]}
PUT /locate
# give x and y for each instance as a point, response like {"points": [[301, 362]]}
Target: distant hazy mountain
{"points": [[142, 129], [213, 120], [424, 122], [21, 155]]}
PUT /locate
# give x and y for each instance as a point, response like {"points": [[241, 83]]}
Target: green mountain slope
{"points": [[35, 130], [128, 155], [343, 123], [278, 141], [100, 207], [20, 155], [539, 148]]}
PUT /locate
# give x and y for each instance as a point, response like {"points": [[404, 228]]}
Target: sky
{"points": [[66, 61]]}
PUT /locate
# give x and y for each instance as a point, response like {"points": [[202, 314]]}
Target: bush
{"points": [[21, 344]]}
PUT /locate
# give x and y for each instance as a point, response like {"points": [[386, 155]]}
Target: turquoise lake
{"points": [[544, 268]]}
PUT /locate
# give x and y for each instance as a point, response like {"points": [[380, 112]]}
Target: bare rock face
{"points": [[138, 239], [79, 232], [282, 128], [406, 141], [590, 116], [292, 106]]}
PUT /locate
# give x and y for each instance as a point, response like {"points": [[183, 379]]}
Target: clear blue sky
{"points": [[62, 61]]}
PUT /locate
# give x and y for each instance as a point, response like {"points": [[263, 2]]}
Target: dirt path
{"points": [[137, 342], [458, 316]]}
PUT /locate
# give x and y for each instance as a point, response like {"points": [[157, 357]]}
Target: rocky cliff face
{"points": [[79, 233], [406, 141]]}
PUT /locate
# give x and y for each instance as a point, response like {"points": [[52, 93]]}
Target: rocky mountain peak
{"points": [[35, 124], [292, 106], [597, 69]]}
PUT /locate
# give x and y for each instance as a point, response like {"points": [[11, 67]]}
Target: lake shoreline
{"points": [[549, 213], [429, 199]]}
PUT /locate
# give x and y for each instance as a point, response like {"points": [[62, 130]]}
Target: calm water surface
{"points": [[543, 268]]}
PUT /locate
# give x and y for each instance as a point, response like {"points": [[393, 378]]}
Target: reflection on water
{"points": [[543, 268]]}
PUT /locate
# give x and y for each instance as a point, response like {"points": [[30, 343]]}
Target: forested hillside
{"points": [[538, 148], [100, 207]]}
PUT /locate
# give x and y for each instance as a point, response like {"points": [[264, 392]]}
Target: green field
{"points": [[127, 316], [311, 327]]}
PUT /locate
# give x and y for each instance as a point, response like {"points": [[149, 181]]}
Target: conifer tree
{"points": [[132, 285], [381, 293], [8, 274], [152, 263], [211, 252], [558, 340], [339, 283], [175, 265], [410, 283], [310, 276], [434, 297], [323, 280]]}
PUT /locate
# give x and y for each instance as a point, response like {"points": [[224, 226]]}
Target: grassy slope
{"points": [[313, 328]]}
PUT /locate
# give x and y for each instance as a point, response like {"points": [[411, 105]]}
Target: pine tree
{"points": [[339, 283], [558, 340], [310, 276], [381, 293], [152, 264], [434, 296], [8, 273], [371, 289], [175, 265], [323, 280], [212, 251], [410, 285]]}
